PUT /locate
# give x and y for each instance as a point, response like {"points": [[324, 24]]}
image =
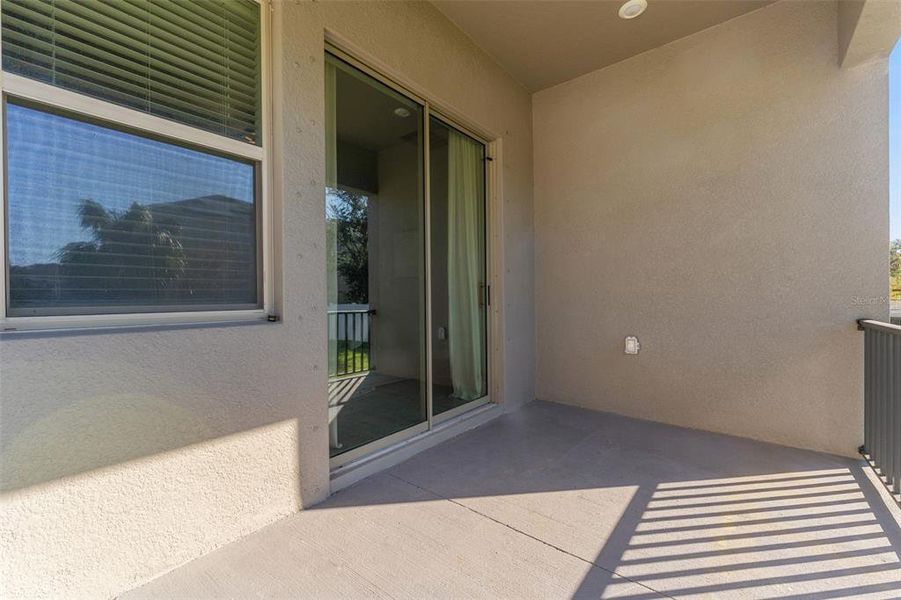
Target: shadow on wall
{"points": [[679, 511]]}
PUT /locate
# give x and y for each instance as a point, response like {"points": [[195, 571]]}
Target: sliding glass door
{"points": [[458, 268], [406, 265]]}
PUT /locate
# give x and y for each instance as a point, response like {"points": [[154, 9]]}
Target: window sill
{"points": [[87, 324]]}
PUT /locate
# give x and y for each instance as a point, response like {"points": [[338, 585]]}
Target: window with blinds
{"points": [[196, 63], [104, 221], [156, 209]]}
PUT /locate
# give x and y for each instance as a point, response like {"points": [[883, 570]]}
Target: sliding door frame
{"points": [[463, 408], [337, 49]]}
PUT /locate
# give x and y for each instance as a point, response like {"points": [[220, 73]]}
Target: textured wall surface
{"points": [[125, 454], [867, 29], [420, 48], [725, 199]]}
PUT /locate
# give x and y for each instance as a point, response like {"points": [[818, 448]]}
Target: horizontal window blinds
{"points": [[196, 63], [103, 221]]}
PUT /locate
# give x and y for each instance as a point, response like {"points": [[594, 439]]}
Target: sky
{"points": [[894, 116], [55, 162]]}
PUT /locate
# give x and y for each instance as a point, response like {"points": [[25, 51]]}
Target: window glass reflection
{"points": [[106, 221]]}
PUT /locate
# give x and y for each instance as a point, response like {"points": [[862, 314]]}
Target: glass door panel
{"points": [[458, 268], [375, 260]]}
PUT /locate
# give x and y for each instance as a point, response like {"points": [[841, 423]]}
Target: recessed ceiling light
{"points": [[632, 9], [402, 112]]}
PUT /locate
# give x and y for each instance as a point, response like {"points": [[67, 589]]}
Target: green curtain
{"points": [[465, 265], [331, 184]]}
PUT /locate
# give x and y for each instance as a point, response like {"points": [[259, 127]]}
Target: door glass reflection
{"points": [[375, 249]]}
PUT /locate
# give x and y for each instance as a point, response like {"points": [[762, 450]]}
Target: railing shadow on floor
{"points": [[707, 515], [807, 551]]}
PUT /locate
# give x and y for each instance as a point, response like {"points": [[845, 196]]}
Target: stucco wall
{"points": [[127, 453], [725, 199]]}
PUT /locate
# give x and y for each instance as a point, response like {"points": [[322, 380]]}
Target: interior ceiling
{"points": [[545, 42], [366, 116]]}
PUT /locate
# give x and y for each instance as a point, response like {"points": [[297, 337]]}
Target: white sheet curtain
{"points": [[465, 265]]}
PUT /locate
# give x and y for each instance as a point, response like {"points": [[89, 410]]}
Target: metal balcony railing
{"points": [[882, 401], [350, 334]]}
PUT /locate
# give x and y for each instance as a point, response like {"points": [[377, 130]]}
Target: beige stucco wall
{"points": [[125, 454], [725, 199], [867, 29]]}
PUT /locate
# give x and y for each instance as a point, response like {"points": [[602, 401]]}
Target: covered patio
{"points": [[450, 299], [555, 501]]}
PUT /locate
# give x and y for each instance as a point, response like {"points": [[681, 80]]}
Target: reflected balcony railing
{"points": [[350, 342]]}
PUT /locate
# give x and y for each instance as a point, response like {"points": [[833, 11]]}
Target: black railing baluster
{"points": [[880, 398], [369, 344], [868, 408], [882, 402], [352, 337], [344, 370], [353, 343], [884, 406], [889, 448], [896, 416]]}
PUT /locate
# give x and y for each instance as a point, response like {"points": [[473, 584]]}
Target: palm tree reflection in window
{"points": [[132, 255]]}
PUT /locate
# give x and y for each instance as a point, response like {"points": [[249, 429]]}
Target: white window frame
{"points": [[19, 87]]}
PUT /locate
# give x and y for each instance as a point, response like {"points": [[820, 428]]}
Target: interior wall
{"points": [[357, 167], [399, 325], [441, 370], [725, 199], [126, 453]]}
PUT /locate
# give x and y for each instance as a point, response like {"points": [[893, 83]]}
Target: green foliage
{"points": [[349, 212], [351, 358], [895, 268]]}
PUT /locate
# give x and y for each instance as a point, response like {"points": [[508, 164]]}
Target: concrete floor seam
{"points": [[530, 536]]}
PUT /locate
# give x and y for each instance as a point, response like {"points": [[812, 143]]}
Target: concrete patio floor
{"points": [[557, 502]]}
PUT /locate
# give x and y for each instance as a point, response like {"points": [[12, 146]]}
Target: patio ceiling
{"points": [[543, 43]]}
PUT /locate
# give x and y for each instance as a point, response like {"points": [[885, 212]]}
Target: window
{"points": [[197, 63], [152, 225], [133, 171]]}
